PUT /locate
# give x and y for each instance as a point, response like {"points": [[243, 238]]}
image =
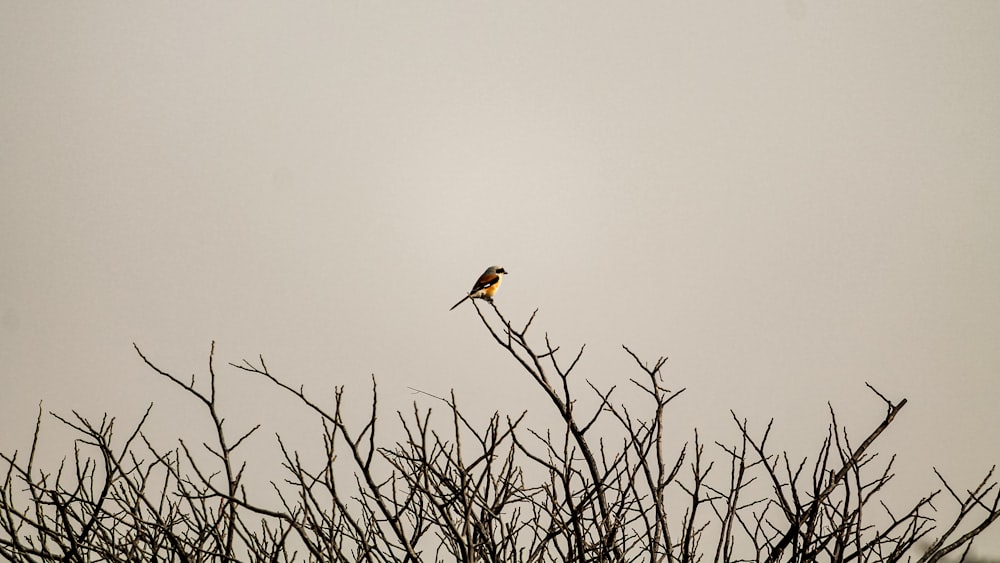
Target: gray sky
{"points": [[789, 199]]}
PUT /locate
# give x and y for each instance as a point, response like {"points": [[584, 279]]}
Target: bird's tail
{"points": [[459, 303]]}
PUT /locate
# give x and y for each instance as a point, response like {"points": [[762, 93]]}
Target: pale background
{"points": [[789, 199]]}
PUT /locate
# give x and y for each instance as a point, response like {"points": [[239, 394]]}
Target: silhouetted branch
{"points": [[599, 486]]}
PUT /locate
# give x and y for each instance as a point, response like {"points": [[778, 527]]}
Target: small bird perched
{"points": [[486, 285]]}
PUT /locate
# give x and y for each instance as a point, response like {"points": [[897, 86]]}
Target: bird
{"points": [[486, 286]]}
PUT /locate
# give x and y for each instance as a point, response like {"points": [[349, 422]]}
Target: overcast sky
{"points": [[788, 199]]}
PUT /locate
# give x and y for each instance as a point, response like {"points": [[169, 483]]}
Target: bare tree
{"points": [[597, 486]]}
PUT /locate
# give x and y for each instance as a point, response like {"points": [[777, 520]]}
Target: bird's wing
{"points": [[486, 280]]}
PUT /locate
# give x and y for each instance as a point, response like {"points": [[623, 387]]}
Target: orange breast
{"points": [[489, 291]]}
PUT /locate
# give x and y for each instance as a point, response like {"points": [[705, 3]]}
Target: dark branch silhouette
{"points": [[599, 485]]}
